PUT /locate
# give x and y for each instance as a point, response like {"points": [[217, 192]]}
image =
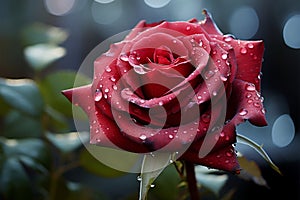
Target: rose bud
{"points": [[178, 87]]}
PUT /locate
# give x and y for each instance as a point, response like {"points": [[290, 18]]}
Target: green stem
{"points": [[191, 180]]}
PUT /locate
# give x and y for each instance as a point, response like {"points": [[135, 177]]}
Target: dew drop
{"points": [[113, 79], [152, 185], [160, 103], [250, 87], [98, 140], [250, 45], [222, 134], [143, 137], [199, 97], [229, 154], [139, 178], [171, 136], [188, 28], [243, 50], [226, 161], [208, 74], [200, 43], [98, 95], [263, 111], [256, 104], [214, 93], [249, 95], [224, 56], [108, 69], [243, 112], [115, 87], [124, 57], [223, 78], [249, 101], [174, 41], [106, 90], [227, 39]]}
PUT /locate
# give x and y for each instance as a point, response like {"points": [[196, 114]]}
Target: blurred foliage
{"points": [[38, 148]]}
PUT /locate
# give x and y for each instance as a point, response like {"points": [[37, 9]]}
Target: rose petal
{"points": [[245, 103], [209, 25], [249, 56]]}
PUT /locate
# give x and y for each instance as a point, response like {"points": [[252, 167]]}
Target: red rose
{"points": [[178, 87]]}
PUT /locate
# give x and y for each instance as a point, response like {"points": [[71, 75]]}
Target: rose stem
{"points": [[191, 180]]}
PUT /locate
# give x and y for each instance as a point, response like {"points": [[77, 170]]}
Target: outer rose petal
{"points": [[246, 103], [103, 131], [209, 25], [221, 156]]}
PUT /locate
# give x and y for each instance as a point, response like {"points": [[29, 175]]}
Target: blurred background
{"points": [[80, 25]]}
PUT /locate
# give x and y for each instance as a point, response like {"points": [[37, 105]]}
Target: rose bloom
{"points": [[178, 87]]}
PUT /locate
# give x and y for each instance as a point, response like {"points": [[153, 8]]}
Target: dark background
{"points": [[89, 23]]}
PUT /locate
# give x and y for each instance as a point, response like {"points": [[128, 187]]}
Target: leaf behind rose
{"points": [[258, 148]]}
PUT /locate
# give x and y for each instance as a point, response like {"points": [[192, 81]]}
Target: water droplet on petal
{"points": [[227, 39], [143, 137], [250, 87], [243, 50], [208, 74], [229, 154], [171, 136], [263, 111], [152, 185], [115, 87], [113, 79], [188, 28], [98, 95], [250, 45], [222, 134], [223, 78], [256, 104], [243, 112], [108, 69], [214, 93], [160, 103], [200, 43], [224, 56], [124, 57]]}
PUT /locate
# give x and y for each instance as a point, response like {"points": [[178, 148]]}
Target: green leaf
{"points": [[258, 148], [93, 165], [54, 83], [40, 56], [251, 171], [32, 148], [14, 182], [18, 125], [67, 142], [213, 182], [152, 166], [43, 33], [167, 181], [23, 95]]}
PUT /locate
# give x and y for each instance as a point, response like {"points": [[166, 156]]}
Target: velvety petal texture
{"points": [[178, 87]]}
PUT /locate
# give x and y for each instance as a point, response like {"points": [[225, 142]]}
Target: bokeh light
{"points": [[59, 7], [244, 22], [180, 10], [104, 1], [291, 32], [157, 3], [102, 13], [283, 131]]}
